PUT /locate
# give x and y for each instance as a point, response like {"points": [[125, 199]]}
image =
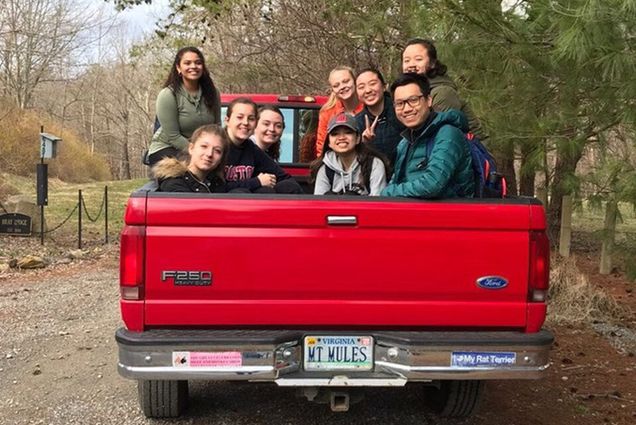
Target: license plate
{"points": [[338, 352]]}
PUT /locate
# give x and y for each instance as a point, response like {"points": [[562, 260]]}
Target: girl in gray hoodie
{"points": [[348, 166]]}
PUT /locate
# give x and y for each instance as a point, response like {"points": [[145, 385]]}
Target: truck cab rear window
{"points": [[300, 124]]}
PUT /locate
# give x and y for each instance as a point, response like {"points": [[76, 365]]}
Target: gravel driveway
{"points": [[58, 366]]}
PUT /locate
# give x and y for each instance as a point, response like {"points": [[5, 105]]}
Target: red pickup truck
{"points": [[331, 293]]}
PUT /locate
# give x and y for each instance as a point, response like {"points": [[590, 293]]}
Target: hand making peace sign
{"points": [[369, 131]]}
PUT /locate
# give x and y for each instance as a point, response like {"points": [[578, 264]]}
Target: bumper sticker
{"points": [[482, 359], [203, 359]]}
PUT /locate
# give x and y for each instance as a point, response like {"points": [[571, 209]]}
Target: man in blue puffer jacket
{"points": [[433, 158]]}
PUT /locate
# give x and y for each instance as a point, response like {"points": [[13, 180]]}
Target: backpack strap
{"points": [[430, 144], [366, 177], [330, 175]]}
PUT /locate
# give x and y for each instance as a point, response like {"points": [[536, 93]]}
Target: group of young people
{"points": [[239, 157], [408, 140], [235, 158]]}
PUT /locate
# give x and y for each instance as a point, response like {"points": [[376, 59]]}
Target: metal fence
{"points": [[81, 209]]}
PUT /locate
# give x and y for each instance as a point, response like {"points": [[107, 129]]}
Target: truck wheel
{"points": [[162, 399], [457, 399]]}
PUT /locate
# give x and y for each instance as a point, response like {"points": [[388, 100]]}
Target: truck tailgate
{"points": [[335, 262]]}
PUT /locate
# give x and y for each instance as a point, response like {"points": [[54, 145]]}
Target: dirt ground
{"points": [[58, 366]]}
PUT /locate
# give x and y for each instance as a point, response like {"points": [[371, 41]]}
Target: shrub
{"points": [[6, 190], [20, 144], [574, 300], [75, 163]]}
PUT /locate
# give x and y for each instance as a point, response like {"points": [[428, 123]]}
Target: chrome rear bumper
{"points": [[277, 356]]}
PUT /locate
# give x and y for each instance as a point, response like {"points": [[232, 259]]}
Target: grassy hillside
{"points": [[20, 147], [63, 197]]}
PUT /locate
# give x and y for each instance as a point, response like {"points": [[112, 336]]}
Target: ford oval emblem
{"points": [[492, 282]]}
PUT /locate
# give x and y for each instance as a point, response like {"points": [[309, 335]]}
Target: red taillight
{"points": [[539, 274], [131, 262], [302, 99]]}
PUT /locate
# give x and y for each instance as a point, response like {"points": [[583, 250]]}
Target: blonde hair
{"points": [[331, 102], [218, 131]]}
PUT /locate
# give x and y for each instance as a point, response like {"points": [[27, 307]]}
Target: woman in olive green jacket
{"points": [[188, 101], [420, 56]]}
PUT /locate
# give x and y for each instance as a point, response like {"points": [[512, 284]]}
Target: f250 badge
{"points": [[187, 278], [492, 282]]}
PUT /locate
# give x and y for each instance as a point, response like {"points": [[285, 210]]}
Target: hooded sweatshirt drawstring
{"points": [[343, 175], [347, 177], [333, 178]]}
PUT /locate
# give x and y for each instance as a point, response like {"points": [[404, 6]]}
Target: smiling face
{"points": [[415, 59], [241, 122], [342, 83], [269, 128], [343, 140], [370, 88], [205, 153], [411, 107], [190, 66]]}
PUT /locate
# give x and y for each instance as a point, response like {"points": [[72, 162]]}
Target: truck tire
{"points": [[456, 399], [162, 399]]}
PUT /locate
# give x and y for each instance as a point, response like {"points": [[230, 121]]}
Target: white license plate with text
{"points": [[327, 352]]}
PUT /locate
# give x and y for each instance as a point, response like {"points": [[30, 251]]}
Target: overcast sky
{"points": [[141, 19]]}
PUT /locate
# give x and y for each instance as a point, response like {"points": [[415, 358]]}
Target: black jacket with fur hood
{"points": [[173, 176]]}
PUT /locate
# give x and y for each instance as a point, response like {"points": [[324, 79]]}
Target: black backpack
{"points": [[331, 174]]}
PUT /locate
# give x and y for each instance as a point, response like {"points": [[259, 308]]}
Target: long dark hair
{"points": [[307, 148], [437, 68], [365, 156], [274, 149], [208, 89]]}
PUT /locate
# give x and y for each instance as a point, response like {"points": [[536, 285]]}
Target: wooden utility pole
{"points": [[566, 226], [609, 234]]}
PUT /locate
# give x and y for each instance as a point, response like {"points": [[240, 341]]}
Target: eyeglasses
{"points": [[412, 101]]}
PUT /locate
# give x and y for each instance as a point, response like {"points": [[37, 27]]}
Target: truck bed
{"points": [[281, 261]]}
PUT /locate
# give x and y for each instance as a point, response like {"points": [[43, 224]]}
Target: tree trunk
{"points": [[91, 116], [526, 179], [566, 162], [125, 159], [609, 233], [35, 38], [542, 195], [505, 157]]}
